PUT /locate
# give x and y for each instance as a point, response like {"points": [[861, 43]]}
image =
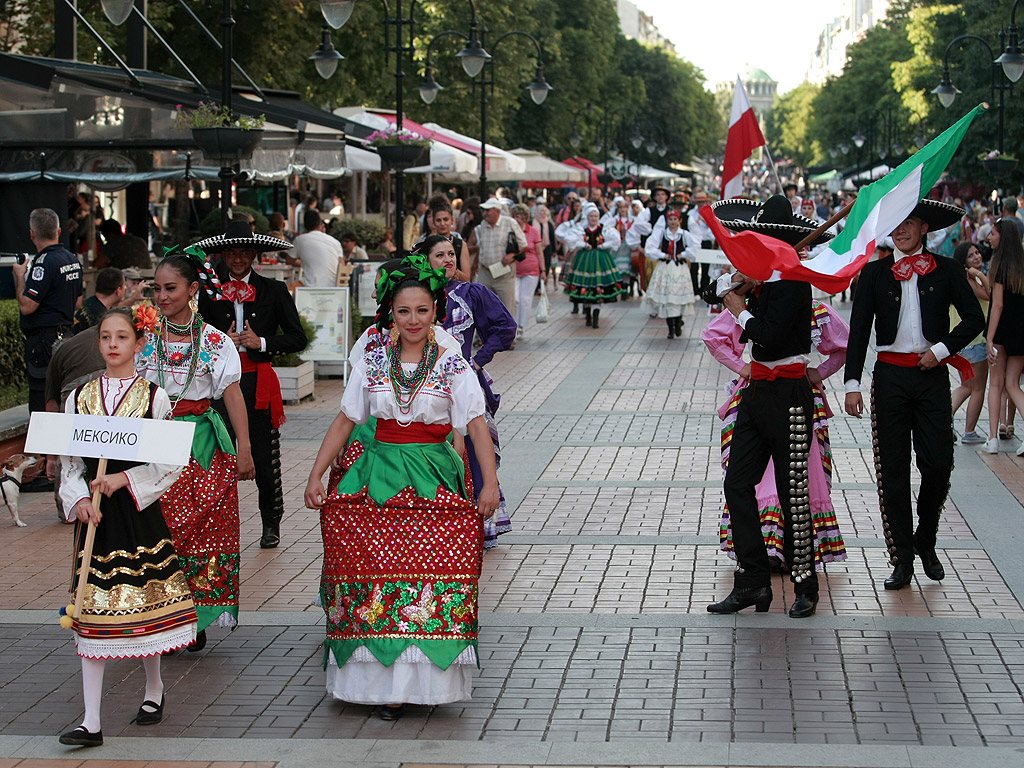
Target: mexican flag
{"points": [[880, 208]]}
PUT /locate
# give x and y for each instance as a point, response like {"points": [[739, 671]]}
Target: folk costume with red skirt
{"points": [[201, 507], [403, 545], [829, 334], [137, 601]]}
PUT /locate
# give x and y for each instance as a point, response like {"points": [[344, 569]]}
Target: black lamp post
{"points": [[947, 92], [474, 57]]}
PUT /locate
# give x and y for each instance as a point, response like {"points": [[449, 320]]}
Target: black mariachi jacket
{"points": [[781, 322], [273, 307], [878, 298]]}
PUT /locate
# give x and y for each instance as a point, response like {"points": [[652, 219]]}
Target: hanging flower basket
{"points": [[226, 145], [400, 157], [1000, 167]]}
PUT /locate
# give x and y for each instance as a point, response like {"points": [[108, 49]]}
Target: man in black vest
{"points": [[250, 311], [775, 419], [908, 295]]}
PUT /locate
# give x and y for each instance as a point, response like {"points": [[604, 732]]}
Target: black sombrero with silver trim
{"points": [[936, 214], [774, 217], [239, 234]]}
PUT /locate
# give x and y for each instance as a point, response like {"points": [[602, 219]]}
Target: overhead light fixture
{"points": [[473, 56], [636, 140], [858, 139], [326, 57], [429, 88], [1012, 61], [945, 90], [539, 88], [118, 11], [337, 12]]}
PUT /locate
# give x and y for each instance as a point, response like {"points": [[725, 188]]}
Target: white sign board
{"points": [[109, 437], [328, 309]]}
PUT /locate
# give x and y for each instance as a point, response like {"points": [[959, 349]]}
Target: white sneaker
{"points": [[992, 446]]}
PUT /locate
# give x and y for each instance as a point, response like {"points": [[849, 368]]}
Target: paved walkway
{"points": [[595, 647]]}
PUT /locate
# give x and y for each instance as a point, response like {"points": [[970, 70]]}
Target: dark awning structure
{"points": [[73, 121]]}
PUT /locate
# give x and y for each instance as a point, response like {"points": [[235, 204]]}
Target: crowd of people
{"points": [[413, 498]]}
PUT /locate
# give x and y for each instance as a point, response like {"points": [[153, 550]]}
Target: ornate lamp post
{"points": [[474, 57]]}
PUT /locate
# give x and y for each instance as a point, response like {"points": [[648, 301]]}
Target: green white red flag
{"points": [[880, 207]]}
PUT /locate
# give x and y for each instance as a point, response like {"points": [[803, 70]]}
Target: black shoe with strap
{"points": [[390, 713], [150, 713], [80, 737]]}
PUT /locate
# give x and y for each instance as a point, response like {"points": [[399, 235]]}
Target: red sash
{"points": [[268, 389], [760, 372], [190, 407], [390, 431], [911, 359]]}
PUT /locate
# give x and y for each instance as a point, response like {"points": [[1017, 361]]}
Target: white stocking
{"points": [[154, 683], [92, 686]]}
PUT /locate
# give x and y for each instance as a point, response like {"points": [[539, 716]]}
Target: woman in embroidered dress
{"points": [[670, 292], [137, 602], [475, 310], [402, 545], [829, 334], [196, 363], [621, 217], [593, 279]]}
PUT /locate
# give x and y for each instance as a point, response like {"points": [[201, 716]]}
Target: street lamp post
{"points": [[947, 92], [474, 58]]}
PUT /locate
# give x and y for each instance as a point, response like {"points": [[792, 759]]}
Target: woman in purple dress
{"points": [[475, 309]]}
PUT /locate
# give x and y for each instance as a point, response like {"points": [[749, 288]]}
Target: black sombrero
{"points": [[774, 217], [239, 234], [936, 214]]}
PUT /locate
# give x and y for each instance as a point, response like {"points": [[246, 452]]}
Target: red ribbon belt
{"points": [[390, 431], [237, 290], [268, 389], [922, 263], [760, 372], [911, 360], [190, 407]]}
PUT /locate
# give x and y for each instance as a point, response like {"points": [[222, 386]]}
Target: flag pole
{"points": [[771, 164], [824, 226]]}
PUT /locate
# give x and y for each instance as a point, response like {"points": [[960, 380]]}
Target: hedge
{"points": [[12, 345], [369, 233]]}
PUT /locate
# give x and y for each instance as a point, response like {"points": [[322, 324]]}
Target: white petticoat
{"points": [[670, 292], [135, 647], [412, 679]]}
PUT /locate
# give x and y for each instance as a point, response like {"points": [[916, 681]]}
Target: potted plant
{"points": [[998, 164], [223, 137], [400, 149], [295, 374]]}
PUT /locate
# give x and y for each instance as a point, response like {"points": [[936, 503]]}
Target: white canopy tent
{"points": [[540, 169]]}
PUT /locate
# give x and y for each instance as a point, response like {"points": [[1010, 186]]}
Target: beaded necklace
{"points": [[407, 386], [194, 329]]}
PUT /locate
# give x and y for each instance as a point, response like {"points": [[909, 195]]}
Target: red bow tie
{"points": [[922, 263], [238, 291]]}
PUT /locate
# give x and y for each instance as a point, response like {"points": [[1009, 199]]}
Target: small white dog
{"points": [[10, 482]]}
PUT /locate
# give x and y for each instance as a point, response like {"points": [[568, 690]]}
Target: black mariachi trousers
{"points": [[775, 421], [265, 444], [911, 405]]}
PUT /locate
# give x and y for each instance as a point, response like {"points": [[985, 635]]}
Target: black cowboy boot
{"points": [[596, 314], [671, 327], [586, 311]]}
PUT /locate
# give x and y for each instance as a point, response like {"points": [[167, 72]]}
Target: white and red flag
{"points": [[744, 137]]}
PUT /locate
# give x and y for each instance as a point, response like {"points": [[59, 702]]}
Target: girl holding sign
{"points": [[137, 602], [196, 363]]}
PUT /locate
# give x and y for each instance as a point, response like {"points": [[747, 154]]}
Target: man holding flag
{"points": [[908, 295]]}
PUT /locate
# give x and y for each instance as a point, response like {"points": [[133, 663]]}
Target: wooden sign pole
{"points": [[90, 540]]}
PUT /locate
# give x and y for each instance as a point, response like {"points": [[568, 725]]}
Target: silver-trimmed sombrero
{"points": [[936, 214], [774, 217], [239, 234]]}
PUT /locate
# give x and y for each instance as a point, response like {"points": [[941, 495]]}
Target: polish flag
{"points": [[744, 137]]}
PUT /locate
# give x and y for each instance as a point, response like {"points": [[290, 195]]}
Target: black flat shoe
{"points": [[147, 717], [740, 598], [198, 644], [391, 713], [79, 737], [901, 576], [804, 606], [271, 537], [930, 562]]}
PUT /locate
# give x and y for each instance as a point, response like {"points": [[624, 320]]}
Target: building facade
{"points": [[856, 18], [639, 26]]}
